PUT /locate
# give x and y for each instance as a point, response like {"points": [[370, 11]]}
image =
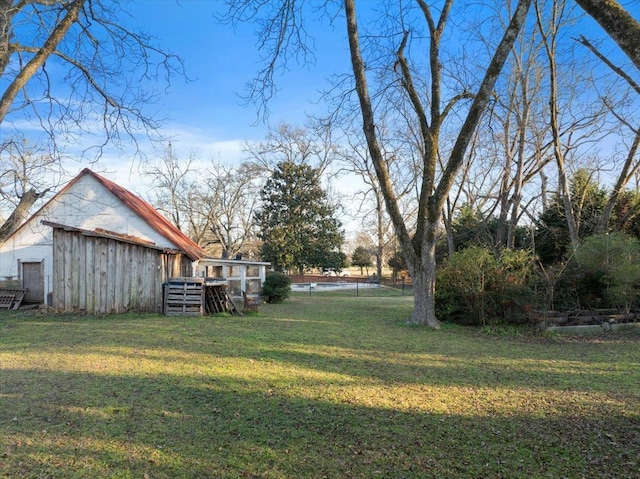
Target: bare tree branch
{"points": [[618, 23]]}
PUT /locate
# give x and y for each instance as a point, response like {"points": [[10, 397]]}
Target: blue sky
{"points": [[207, 109], [206, 115]]}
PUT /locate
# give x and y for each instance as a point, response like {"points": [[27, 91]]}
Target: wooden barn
{"points": [[100, 273], [97, 247]]}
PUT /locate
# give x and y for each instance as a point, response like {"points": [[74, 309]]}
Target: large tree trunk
{"points": [[20, 213], [419, 250], [424, 290]]}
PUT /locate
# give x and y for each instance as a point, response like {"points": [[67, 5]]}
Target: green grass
{"points": [[320, 386]]}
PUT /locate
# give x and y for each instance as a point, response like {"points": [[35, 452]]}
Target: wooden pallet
{"points": [[217, 300], [11, 298], [6, 301], [184, 297]]}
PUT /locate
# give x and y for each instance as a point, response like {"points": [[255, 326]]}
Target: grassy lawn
{"points": [[318, 387]]}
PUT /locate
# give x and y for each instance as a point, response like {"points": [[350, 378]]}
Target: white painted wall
{"points": [[243, 277], [87, 204]]}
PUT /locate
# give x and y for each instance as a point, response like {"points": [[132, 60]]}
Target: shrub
{"points": [[608, 267], [476, 287], [276, 288]]}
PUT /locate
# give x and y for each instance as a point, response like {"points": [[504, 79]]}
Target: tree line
{"points": [[473, 119], [448, 110]]}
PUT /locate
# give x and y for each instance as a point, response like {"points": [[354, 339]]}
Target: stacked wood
{"points": [[184, 297], [217, 299], [582, 317]]}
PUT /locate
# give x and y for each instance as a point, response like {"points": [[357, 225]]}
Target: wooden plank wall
{"points": [[101, 275]]}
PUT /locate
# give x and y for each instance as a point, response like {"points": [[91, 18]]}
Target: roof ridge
{"points": [[147, 212]]}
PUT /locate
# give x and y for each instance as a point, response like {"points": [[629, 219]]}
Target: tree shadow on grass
{"points": [[400, 356], [299, 407], [61, 424]]}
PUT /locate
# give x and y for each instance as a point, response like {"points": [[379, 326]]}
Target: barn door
{"points": [[33, 282]]}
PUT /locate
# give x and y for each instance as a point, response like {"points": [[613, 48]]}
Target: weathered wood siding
{"points": [[101, 275]]}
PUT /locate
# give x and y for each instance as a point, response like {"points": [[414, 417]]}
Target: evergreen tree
{"points": [[626, 213], [397, 263], [552, 236], [361, 257], [297, 221]]}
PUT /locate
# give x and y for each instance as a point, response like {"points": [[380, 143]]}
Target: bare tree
{"points": [[172, 181], [369, 203], [214, 205], [26, 175], [577, 121], [407, 28], [101, 64], [71, 71], [549, 32], [631, 163], [419, 249], [513, 128], [618, 23], [312, 145], [231, 196]]}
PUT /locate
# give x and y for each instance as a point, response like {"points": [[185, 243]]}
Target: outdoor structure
{"points": [[239, 275], [94, 218], [96, 247], [102, 273]]}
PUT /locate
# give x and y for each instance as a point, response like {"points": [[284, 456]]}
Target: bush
{"points": [[608, 268], [475, 287], [276, 288]]}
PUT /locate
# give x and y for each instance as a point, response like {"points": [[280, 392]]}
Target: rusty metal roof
{"points": [[143, 209], [147, 212]]}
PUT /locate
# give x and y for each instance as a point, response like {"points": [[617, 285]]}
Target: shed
{"points": [[240, 276], [103, 213], [98, 272]]}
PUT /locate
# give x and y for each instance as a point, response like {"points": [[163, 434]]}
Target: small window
{"points": [[253, 271], [214, 271], [254, 286], [233, 287]]}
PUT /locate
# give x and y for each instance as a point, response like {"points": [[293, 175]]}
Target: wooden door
{"points": [[33, 282]]}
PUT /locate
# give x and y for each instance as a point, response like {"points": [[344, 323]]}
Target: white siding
{"points": [[87, 204]]}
